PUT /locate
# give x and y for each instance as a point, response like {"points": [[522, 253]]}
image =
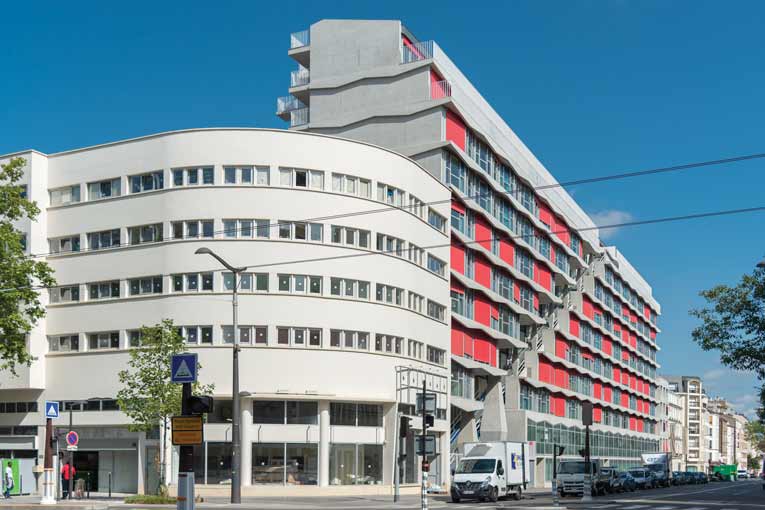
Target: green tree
{"points": [[733, 323], [148, 397], [755, 434], [21, 276], [753, 463]]}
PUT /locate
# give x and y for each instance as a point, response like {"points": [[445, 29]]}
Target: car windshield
{"points": [[476, 466], [571, 468], [637, 473]]}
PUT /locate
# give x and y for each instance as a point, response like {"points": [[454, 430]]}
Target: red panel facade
{"points": [[458, 257], [483, 234], [455, 129]]}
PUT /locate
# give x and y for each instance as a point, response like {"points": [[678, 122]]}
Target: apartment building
{"points": [[544, 316], [695, 421], [671, 418], [342, 315], [728, 442]]}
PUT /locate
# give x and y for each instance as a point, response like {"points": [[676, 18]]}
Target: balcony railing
{"points": [[300, 39], [422, 50], [299, 117], [300, 77], [287, 104], [440, 89]]}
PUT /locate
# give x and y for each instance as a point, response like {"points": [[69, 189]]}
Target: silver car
{"points": [[643, 478]]}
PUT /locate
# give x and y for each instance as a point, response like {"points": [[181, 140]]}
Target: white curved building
{"points": [[341, 315]]}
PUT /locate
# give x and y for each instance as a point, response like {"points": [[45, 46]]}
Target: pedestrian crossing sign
{"points": [[51, 409], [183, 368]]}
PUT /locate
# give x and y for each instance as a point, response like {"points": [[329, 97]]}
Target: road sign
{"points": [[183, 368], [586, 413], [51, 409], [72, 439], [430, 445], [187, 430]]}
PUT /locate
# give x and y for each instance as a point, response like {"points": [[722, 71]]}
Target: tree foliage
{"points": [[733, 323], [21, 276], [755, 434]]}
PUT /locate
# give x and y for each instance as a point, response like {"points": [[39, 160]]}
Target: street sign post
{"points": [[72, 439], [187, 430], [587, 410], [51, 409], [183, 368]]}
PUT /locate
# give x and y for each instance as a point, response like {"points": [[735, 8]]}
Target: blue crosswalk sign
{"points": [[51, 409], [183, 368]]}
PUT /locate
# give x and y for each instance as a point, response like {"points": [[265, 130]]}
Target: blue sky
{"points": [[593, 88]]}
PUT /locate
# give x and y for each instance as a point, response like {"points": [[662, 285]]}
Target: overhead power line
{"points": [[666, 219], [476, 196]]}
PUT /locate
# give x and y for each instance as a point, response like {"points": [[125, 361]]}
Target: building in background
{"points": [[544, 316], [732, 445], [332, 348], [694, 401]]}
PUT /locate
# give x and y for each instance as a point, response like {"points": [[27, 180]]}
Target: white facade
{"points": [[329, 333]]}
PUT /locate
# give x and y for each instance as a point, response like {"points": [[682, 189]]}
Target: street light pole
{"points": [[236, 436]]}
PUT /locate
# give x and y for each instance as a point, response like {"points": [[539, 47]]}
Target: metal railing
{"points": [[299, 117], [440, 89], [300, 39], [287, 104], [300, 77], [422, 50]]}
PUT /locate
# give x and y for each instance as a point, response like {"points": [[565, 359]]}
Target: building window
{"points": [[65, 343], [390, 195], [147, 182], [355, 415], [351, 185], [193, 229], [145, 234], [345, 287], [245, 334], [458, 302], [65, 294], [104, 189], [391, 245], [269, 467], [389, 294], [103, 240], [436, 311], [65, 195], [436, 265], [247, 282], [147, 285], [192, 282], [389, 343], [65, 244], [523, 263], [300, 178], [348, 339], [108, 340], [104, 290], [415, 349], [298, 337], [435, 355], [415, 302], [300, 231], [436, 220], [241, 175], [134, 338], [350, 236], [415, 254], [197, 334], [300, 284]]}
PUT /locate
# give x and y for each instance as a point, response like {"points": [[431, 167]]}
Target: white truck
{"points": [[492, 470], [570, 476], [658, 464]]}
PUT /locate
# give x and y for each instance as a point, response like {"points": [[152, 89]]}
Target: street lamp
{"points": [[236, 437]]}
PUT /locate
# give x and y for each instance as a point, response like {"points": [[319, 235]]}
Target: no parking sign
{"points": [[72, 438]]}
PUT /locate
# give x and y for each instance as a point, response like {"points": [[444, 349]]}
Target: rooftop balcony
{"points": [[300, 43], [287, 104], [440, 89], [414, 52]]}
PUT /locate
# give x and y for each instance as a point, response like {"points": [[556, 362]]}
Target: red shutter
{"points": [[455, 129]]}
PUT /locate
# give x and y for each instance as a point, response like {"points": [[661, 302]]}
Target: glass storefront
{"points": [[300, 468], [351, 464]]}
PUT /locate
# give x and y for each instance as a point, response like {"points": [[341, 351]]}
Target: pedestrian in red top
{"points": [[67, 477]]}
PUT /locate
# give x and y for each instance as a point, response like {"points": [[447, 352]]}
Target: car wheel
{"points": [[493, 495], [455, 499], [518, 494]]}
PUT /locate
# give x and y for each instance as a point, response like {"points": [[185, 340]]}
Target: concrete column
{"points": [[323, 443], [246, 428], [494, 418], [141, 445], [389, 446]]}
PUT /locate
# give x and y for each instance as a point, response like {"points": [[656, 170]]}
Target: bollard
{"points": [[110, 485], [21, 484], [87, 483]]}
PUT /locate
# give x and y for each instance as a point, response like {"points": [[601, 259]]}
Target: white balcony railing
{"points": [[287, 104], [422, 50], [440, 89], [300, 77], [300, 39], [299, 117]]}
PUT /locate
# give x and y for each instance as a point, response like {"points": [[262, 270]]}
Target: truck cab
{"points": [[570, 475], [479, 478]]}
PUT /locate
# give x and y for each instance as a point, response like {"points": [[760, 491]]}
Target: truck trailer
{"points": [[491, 470]]}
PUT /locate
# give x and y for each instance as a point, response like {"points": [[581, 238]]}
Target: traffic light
{"points": [[403, 427], [430, 420], [199, 404]]}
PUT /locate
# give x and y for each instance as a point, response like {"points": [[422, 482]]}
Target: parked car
{"points": [[691, 477], [703, 478], [643, 478], [743, 474], [623, 482], [679, 478]]}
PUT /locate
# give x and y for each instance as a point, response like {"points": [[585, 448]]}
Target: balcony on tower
{"points": [[300, 47], [286, 105]]}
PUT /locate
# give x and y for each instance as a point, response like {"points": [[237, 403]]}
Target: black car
{"points": [[679, 478], [623, 482]]}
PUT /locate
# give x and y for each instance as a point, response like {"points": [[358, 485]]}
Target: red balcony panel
{"points": [[483, 350], [625, 336], [457, 257], [482, 310], [640, 425], [455, 129], [617, 374], [608, 393], [507, 251], [536, 301], [458, 206], [647, 313], [482, 273], [653, 335], [633, 423], [561, 230], [561, 347], [516, 291], [617, 329], [458, 347], [561, 377], [573, 326], [626, 356], [545, 214], [546, 372], [625, 378], [597, 389], [558, 405], [587, 308], [625, 402], [633, 317], [633, 383], [633, 341], [437, 86], [542, 275], [597, 414], [607, 347], [456, 286], [483, 233]]}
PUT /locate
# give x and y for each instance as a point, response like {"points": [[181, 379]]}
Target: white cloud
{"points": [[610, 217], [714, 374]]}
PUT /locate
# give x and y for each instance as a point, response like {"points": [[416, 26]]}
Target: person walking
{"points": [[67, 477], [8, 481]]}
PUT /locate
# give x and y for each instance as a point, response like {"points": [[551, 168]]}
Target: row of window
{"points": [[629, 295], [286, 336], [18, 407], [592, 336], [612, 303], [505, 321], [298, 412]]}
